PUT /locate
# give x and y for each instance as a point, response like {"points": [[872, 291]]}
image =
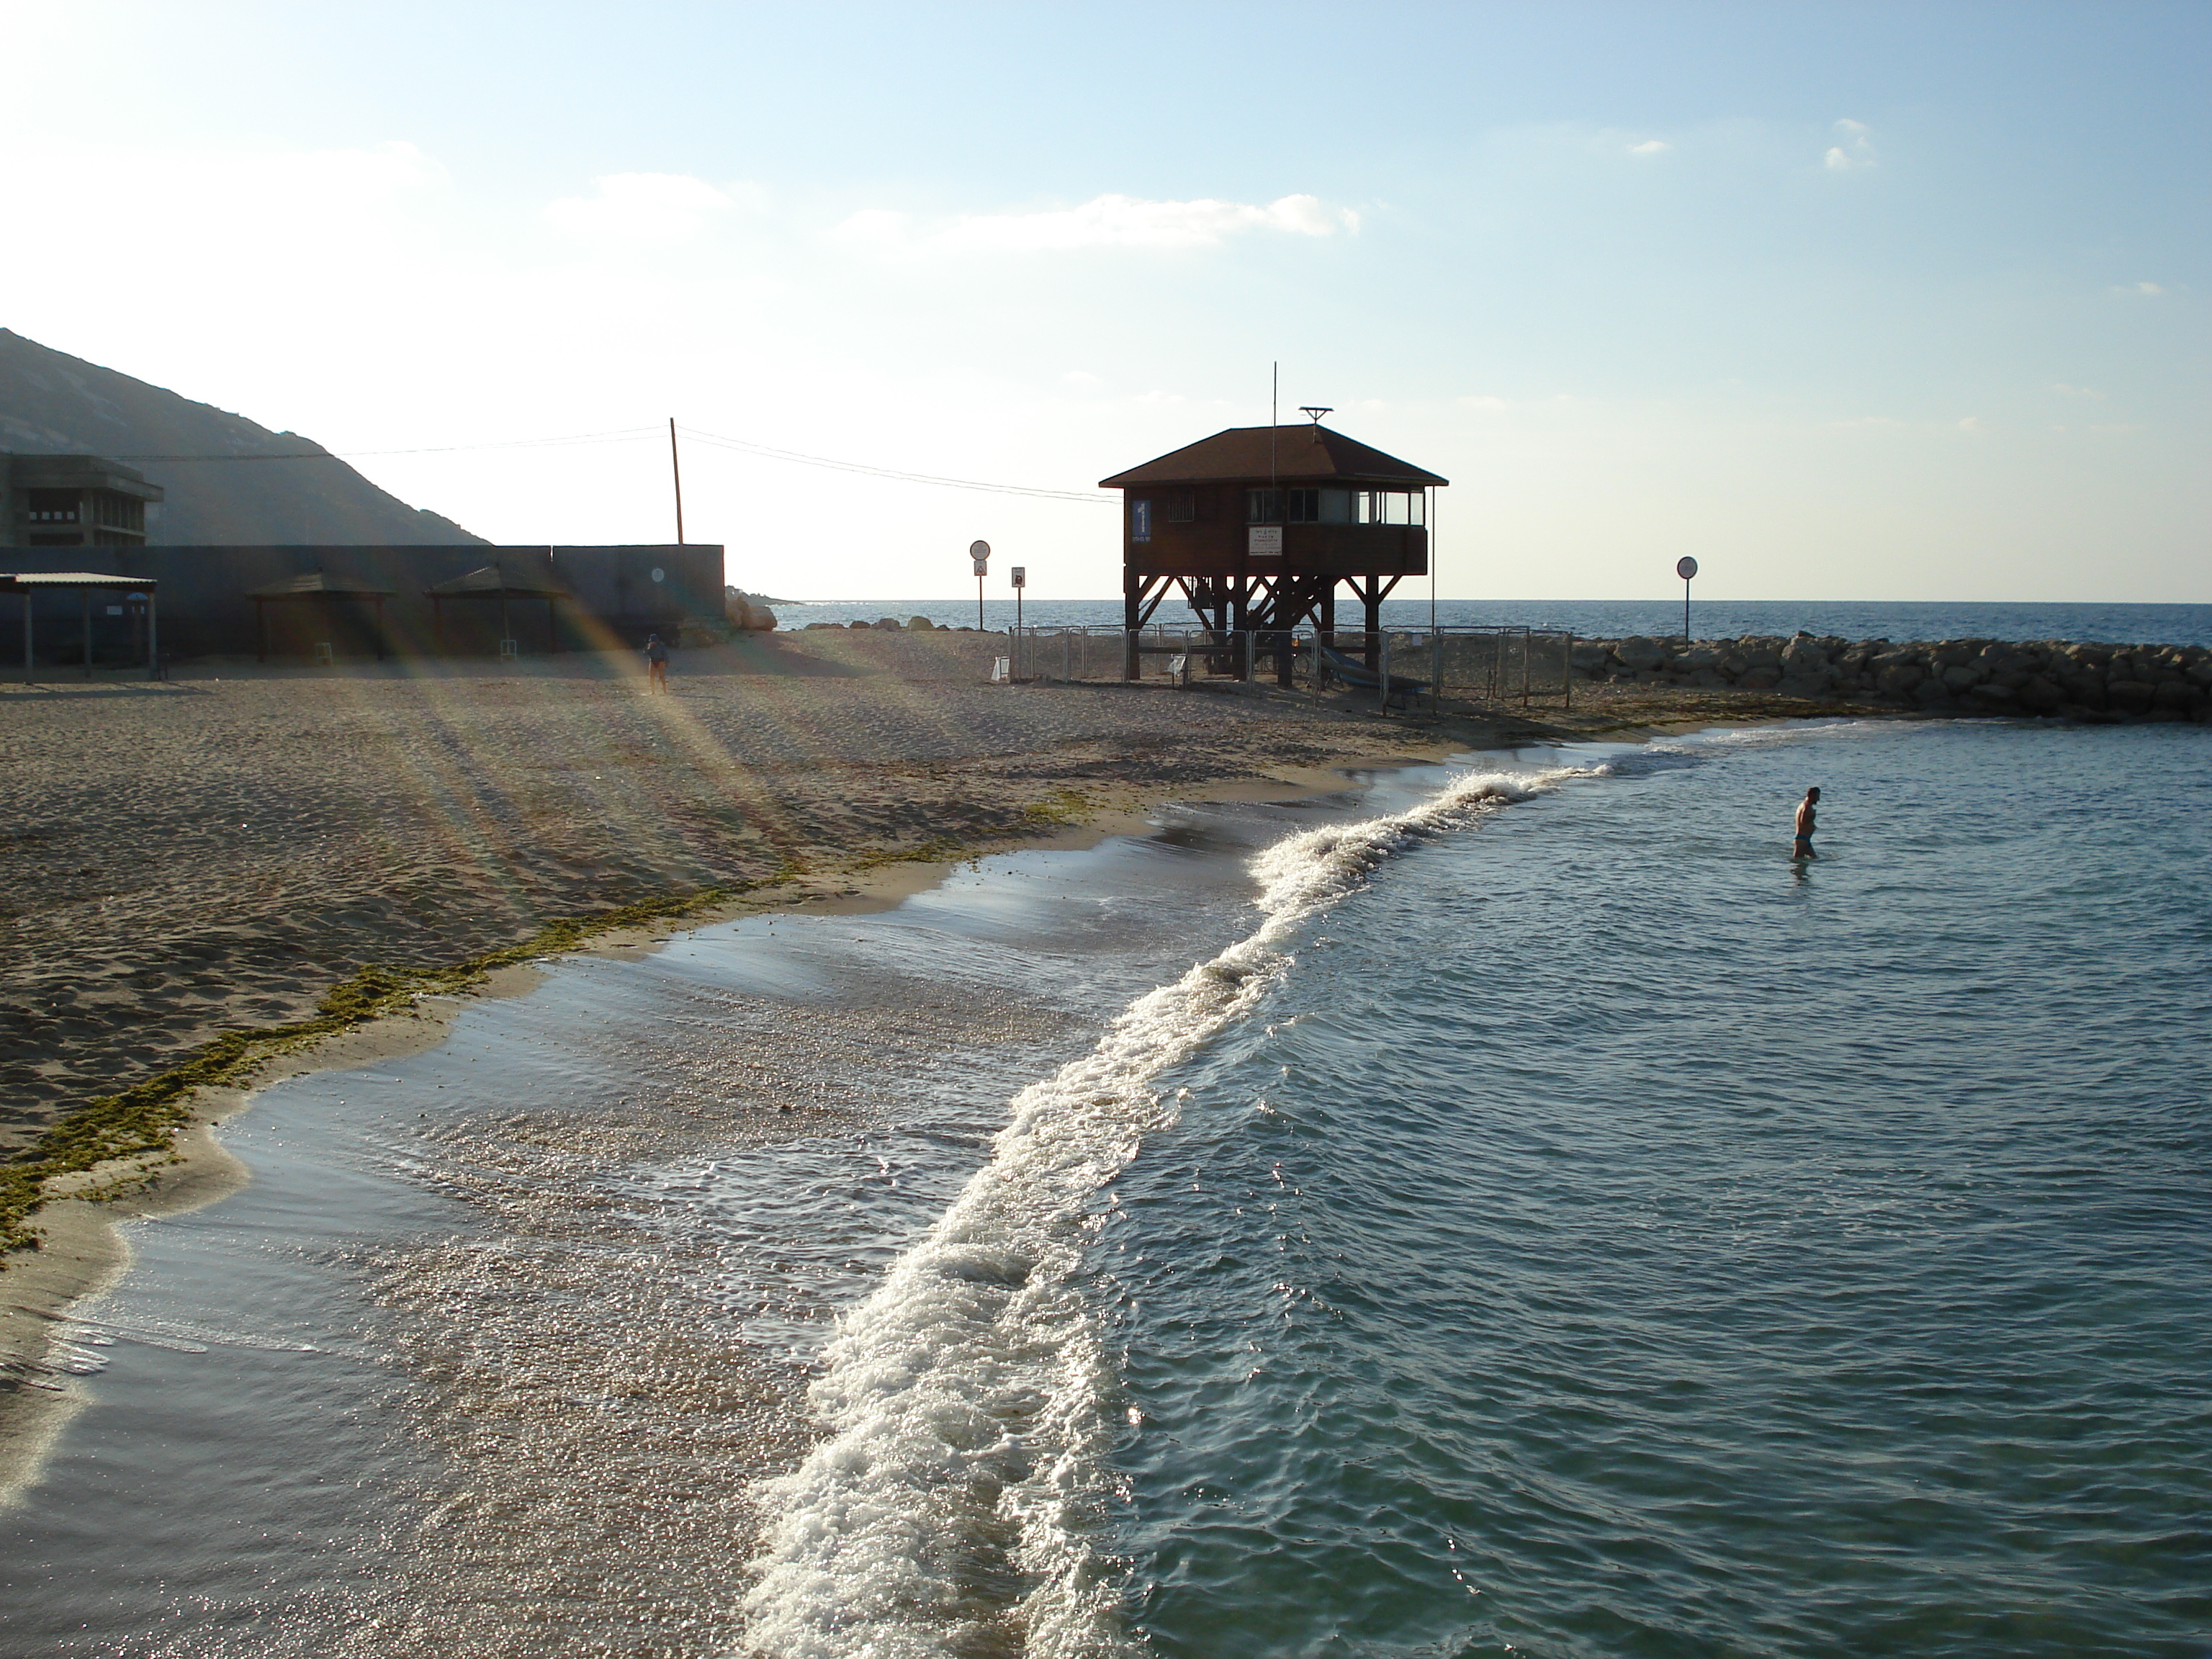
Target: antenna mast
{"points": [[1274, 472]]}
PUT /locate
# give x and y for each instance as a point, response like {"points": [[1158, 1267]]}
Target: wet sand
{"points": [[217, 852]]}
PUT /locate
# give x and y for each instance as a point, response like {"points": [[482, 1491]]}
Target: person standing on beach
{"points": [[656, 666], [1806, 819]]}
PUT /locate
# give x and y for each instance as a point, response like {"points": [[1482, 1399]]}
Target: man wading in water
{"points": [[1807, 819]]}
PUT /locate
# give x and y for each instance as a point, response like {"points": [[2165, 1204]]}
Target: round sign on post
{"points": [[1685, 566], [981, 552]]}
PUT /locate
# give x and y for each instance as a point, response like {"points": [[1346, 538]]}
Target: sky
{"points": [[1849, 300]]}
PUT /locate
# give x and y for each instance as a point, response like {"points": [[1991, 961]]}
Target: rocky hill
{"points": [[53, 403]]}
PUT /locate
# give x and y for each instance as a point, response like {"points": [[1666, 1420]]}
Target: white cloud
{"points": [[1649, 147], [1111, 221], [1971, 423], [2066, 391], [2147, 289], [1852, 149], [641, 207]]}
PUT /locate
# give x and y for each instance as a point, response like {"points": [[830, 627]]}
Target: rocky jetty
{"points": [[2054, 677]]}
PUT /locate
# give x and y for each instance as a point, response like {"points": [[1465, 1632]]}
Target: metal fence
{"points": [[1403, 667]]}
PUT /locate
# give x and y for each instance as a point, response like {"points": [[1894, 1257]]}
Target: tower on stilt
{"points": [[1257, 528]]}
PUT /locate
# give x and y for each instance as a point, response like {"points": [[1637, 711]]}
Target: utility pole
{"points": [[676, 469]]}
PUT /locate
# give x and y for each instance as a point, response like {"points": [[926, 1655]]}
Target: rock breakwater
{"points": [[2048, 678]]}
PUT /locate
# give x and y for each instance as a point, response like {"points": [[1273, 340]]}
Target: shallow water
{"points": [[488, 1355], [1521, 1213], [1609, 1239]]}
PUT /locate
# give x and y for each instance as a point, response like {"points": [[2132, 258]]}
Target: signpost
{"points": [[981, 552], [1021, 581], [1685, 566]]}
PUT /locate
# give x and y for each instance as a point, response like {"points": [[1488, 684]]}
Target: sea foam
{"points": [[953, 1505]]}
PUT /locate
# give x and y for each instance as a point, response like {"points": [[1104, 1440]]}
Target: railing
{"points": [[1433, 666]]}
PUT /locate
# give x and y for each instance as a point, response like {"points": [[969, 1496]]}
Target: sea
{"points": [[1508, 1206], [1605, 619]]}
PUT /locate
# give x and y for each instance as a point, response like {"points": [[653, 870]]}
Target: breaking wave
{"points": [[953, 1505]]}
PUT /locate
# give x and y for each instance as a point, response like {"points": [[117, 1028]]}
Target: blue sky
{"points": [[1849, 300]]}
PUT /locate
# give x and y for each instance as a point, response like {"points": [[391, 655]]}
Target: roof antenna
{"points": [[1315, 411]]}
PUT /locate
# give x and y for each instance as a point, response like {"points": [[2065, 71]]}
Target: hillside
{"points": [[51, 403]]}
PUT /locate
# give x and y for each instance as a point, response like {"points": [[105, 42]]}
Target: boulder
{"points": [[920, 624], [2041, 695], [1636, 653], [1803, 659], [754, 618], [2131, 696], [1899, 678]]}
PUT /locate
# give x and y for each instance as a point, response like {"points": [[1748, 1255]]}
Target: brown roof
{"points": [[315, 585], [1302, 454], [495, 579]]}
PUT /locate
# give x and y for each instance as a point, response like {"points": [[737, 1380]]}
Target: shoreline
{"points": [[83, 1251], [1014, 770]]}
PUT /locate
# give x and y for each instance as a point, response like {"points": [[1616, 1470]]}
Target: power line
{"points": [[620, 435], [740, 444], [631, 434]]}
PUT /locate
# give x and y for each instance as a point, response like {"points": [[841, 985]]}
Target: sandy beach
{"points": [[216, 853]]}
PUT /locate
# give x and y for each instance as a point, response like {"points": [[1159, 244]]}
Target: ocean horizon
{"points": [[1855, 619]]}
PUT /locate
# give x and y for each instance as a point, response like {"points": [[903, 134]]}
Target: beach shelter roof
{"points": [[32, 582], [316, 585], [493, 579], [1295, 454]]}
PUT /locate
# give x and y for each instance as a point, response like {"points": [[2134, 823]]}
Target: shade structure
{"points": [[30, 584], [316, 589], [504, 583]]}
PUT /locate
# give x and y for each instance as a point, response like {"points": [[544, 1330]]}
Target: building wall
{"points": [[205, 608]]}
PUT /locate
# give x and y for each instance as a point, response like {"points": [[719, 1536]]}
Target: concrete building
{"points": [[371, 601], [73, 501]]}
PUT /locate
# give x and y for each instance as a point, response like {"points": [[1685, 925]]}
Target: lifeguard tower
{"points": [[1258, 525]]}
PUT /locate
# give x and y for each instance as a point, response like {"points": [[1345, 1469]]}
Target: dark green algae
{"points": [[143, 1120]]}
